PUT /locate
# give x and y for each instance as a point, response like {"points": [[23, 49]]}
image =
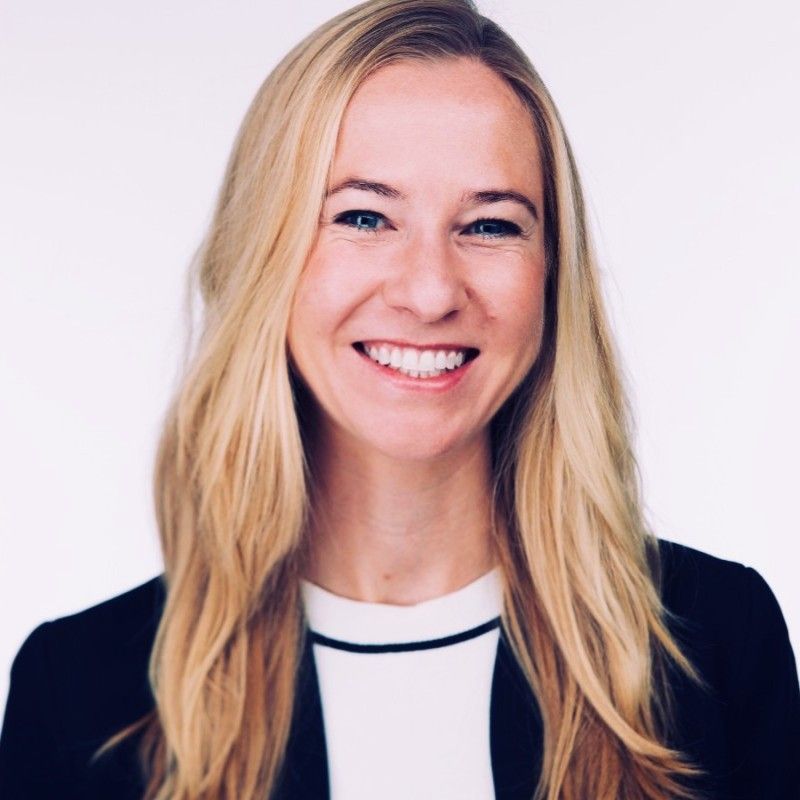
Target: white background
{"points": [[117, 119]]}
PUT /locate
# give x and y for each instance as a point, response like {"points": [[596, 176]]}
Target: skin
{"points": [[402, 490]]}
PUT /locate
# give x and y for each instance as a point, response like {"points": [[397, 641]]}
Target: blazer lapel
{"points": [[515, 734], [515, 729], [304, 775]]}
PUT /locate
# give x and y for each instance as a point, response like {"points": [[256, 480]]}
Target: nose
{"points": [[426, 279]]}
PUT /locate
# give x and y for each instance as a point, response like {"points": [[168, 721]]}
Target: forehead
{"points": [[452, 119]]}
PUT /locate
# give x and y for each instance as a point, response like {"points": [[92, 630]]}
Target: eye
{"points": [[369, 221], [494, 228]]}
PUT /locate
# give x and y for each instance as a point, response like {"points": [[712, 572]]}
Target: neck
{"points": [[390, 531]]}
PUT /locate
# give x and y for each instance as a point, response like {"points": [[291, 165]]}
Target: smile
{"points": [[417, 362]]}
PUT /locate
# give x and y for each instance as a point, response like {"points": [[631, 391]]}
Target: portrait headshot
{"points": [[400, 401]]}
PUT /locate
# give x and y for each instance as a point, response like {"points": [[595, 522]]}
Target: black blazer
{"points": [[78, 679]]}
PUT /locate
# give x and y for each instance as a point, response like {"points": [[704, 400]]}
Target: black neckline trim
{"points": [[404, 647]]}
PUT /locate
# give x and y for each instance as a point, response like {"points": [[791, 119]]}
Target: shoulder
{"points": [[743, 723], [715, 603], [710, 590], [136, 605], [75, 681], [126, 616], [110, 631], [90, 668], [695, 582]]}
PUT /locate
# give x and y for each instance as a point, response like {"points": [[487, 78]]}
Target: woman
{"points": [[404, 548]]}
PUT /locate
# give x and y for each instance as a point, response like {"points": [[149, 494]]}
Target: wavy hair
{"points": [[583, 614]]}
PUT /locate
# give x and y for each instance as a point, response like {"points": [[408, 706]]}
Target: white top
{"points": [[406, 692]]}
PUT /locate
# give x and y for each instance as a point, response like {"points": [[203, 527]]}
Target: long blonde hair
{"points": [[583, 614]]}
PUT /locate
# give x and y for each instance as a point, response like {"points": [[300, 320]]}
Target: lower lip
{"points": [[441, 383]]}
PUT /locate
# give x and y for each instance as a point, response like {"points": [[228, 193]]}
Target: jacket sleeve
{"points": [[29, 759], [766, 702]]}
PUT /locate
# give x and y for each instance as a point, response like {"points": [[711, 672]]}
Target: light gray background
{"points": [[117, 119]]}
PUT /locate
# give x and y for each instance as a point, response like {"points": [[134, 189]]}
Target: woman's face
{"points": [[430, 253]]}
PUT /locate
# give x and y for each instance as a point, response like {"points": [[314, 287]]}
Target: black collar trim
{"points": [[404, 647]]}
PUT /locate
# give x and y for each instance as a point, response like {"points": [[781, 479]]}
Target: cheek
{"points": [[333, 283], [315, 304], [302, 325], [517, 308]]}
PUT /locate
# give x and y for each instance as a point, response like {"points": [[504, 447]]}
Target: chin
{"points": [[418, 448]]}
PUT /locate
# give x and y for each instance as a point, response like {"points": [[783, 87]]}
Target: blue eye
{"points": [[494, 228], [373, 222], [361, 220]]}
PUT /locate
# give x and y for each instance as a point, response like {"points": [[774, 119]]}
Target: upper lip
{"points": [[418, 345]]}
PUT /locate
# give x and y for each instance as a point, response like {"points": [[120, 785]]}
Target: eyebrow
{"points": [[382, 189], [472, 198]]}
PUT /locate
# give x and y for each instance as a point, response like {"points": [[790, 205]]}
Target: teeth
{"points": [[415, 373], [426, 361], [416, 363], [409, 358]]}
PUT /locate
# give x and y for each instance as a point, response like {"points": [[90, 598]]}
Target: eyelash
{"points": [[511, 229]]}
